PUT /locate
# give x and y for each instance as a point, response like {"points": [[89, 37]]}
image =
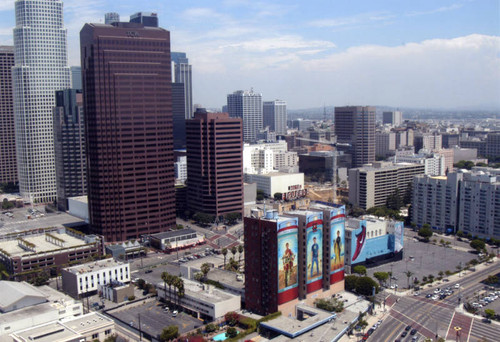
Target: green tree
{"points": [[425, 232], [231, 318], [491, 280], [365, 285], [234, 250], [210, 328], [394, 200], [278, 196], [240, 250], [381, 277], [198, 276], [164, 277], [205, 268], [169, 333], [460, 234], [260, 195], [464, 164], [329, 304], [224, 253], [231, 332], [359, 269], [490, 313], [141, 283], [111, 338], [6, 205], [232, 218], [350, 282], [477, 244], [356, 212], [408, 275]]}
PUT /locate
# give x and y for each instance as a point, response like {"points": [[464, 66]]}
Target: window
{"points": [[94, 336]]}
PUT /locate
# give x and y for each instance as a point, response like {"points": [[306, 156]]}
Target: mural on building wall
{"points": [[287, 260], [337, 243], [399, 235], [358, 241], [314, 251]]}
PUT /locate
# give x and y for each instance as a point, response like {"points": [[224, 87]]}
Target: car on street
{"points": [[148, 271], [416, 293], [414, 339], [174, 313], [413, 332], [428, 295], [457, 286], [408, 327], [404, 334]]}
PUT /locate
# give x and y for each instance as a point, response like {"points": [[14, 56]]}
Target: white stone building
{"points": [[83, 279], [180, 168], [276, 182], [267, 157]]}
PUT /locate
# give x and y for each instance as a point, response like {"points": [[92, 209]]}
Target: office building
{"points": [[69, 146], [370, 185], [275, 116], [385, 143], [181, 169], [176, 240], [296, 256], [179, 115], [246, 105], [355, 125], [493, 145], [268, 157], [435, 164], [85, 279], [148, 19], [214, 163], [450, 140], [76, 77], [41, 68], [302, 124], [372, 240], [428, 141], [128, 109], [8, 163], [183, 74], [29, 252], [111, 17], [394, 118], [277, 182]]}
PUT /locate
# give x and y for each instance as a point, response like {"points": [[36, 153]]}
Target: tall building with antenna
{"points": [[41, 68]]}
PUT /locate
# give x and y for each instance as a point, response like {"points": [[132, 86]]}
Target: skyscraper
{"points": [[178, 114], [40, 69], [214, 163], [275, 116], [246, 105], [128, 108], [394, 118], [8, 164], [149, 19], [111, 17], [76, 77], [182, 74], [355, 125], [69, 145]]}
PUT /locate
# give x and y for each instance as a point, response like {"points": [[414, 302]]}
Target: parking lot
{"points": [[423, 259], [153, 318]]}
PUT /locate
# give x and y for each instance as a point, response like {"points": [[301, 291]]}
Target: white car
{"points": [[457, 286], [174, 313], [416, 293], [435, 297]]}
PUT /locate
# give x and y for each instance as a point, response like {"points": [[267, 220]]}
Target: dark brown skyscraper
{"points": [[214, 143], [8, 164], [128, 121], [355, 125]]}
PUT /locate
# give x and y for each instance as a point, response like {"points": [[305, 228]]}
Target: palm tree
{"points": [[170, 282], [164, 277], [224, 252], [240, 250], [234, 250], [408, 275], [205, 268]]}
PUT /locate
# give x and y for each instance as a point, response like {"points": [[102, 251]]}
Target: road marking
{"points": [[449, 325], [470, 329], [397, 329]]}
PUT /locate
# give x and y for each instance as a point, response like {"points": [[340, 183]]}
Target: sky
{"points": [[398, 53]]}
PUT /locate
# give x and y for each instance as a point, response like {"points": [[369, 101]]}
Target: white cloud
{"points": [[437, 10], [6, 5], [362, 18], [282, 42]]}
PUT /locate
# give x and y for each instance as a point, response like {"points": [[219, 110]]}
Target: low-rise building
{"points": [[272, 183], [176, 239], [207, 301], [89, 327], [86, 279], [31, 251]]}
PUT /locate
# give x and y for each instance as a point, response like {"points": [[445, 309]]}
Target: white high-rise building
{"points": [[394, 118], [275, 116], [248, 106], [183, 74], [41, 68]]}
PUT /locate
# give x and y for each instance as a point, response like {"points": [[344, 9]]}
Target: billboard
{"points": [[314, 251], [288, 248], [358, 240], [398, 236], [337, 244], [365, 248]]}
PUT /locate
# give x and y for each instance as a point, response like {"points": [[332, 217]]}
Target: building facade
{"points": [[369, 186], [76, 77], [8, 162], [85, 279], [69, 146], [246, 105], [355, 125], [214, 163], [394, 118], [271, 183], [183, 74], [41, 68], [435, 164], [179, 115], [129, 144], [146, 18], [293, 257], [275, 116], [385, 143]]}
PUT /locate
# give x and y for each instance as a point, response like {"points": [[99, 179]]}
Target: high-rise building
{"points": [[385, 143], [428, 141], [76, 77], [246, 105], [69, 145], [275, 116], [128, 110], [296, 256], [371, 185], [355, 125], [111, 17], [40, 69], [179, 115], [8, 164], [394, 118], [214, 163], [148, 19], [182, 74]]}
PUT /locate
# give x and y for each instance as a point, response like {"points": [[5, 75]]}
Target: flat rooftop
{"points": [[47, 333], [41, 244], [94, 266], [301, 212], [19, 223], [227, 278], [203, 292], [173, 233], [90, 321]]}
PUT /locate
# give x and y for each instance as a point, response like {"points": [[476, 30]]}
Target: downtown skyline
{"points": [[432, 54]]}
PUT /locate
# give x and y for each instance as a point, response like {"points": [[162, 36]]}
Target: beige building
{"points": [[370, 185]]}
